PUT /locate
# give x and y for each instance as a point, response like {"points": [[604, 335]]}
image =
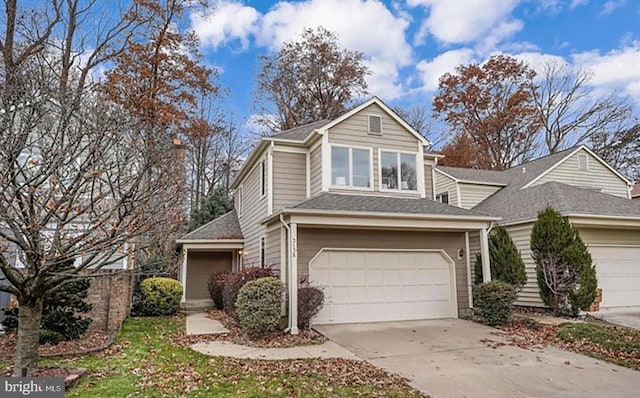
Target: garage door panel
{"points": [[374, 285], [618, 272]]}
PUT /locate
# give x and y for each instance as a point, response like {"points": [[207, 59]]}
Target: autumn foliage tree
{"points": [[493, 106], [309, 79]]}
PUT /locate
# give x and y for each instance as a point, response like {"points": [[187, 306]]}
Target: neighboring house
{"points": [[578, 184], [635, 191], [348, 205]]}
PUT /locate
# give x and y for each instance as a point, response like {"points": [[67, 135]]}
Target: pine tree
{"points": [[565, 272], [210, 208], [506, 262], [61, 319]]}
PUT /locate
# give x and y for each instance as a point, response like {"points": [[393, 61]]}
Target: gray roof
{"points": [[300, 133], [382, 204], [224, 227], [524, 204], [491, 176]]}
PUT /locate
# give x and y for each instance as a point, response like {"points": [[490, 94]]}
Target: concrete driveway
{"points": [[451, 358], [629, 317]]}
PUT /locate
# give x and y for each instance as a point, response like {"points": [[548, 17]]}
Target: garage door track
{"points": [[458, 358]]}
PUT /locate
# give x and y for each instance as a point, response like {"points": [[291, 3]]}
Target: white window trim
{"points": [[398, 162], [440, 195], [369, 124], [350, 148], [263, 176]]}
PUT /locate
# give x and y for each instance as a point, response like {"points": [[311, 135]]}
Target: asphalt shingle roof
{"points": [[380, 204], [224, 227], [300, 133]]}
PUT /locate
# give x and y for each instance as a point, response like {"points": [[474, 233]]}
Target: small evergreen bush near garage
{"points": [[259, 304], [160, 296], [506, 262], [493, 302], [234, 282], [310, 302]]}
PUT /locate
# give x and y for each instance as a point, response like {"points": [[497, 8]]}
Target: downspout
{"points": [[286, 226]]}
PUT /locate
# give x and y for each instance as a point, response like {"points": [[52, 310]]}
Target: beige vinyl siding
{"points": [[254, 211], [597, 177], [530, 295], [310, 241], [472, 194], [315, 173], [428, 180], [272, 252], [354, 132], [474, 248], [613, 237], [446, 184], [289, 179], [200, 265]]}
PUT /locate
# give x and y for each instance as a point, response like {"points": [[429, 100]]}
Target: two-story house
{"points": [[581, 186], [349, 206]]}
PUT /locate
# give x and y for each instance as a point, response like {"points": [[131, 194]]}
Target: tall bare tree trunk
{"points": [[26, 356]]}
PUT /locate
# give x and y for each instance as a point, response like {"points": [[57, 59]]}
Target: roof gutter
{"points": [[208, 241]]}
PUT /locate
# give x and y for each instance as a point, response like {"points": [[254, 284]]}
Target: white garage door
{"points": [[618, 271], [382, 285]]}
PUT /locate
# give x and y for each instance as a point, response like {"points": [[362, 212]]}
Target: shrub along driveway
{"points": [[458, 358]]}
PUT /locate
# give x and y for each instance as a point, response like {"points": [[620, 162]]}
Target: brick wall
{"points": [[110, 295]]}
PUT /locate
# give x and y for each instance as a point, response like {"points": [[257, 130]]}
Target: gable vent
{"points": [[583, 162], [375, 124]]}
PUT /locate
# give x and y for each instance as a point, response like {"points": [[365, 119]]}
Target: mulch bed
{"points": [[90, 342], [237, 336]]}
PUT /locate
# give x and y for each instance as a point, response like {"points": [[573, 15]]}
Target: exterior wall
{"points": [[446, 184], [474, 247], [310, 241], [472, 194], [354, 132], [272, 251], [254, 210], [428, 180], [289, 179], [110, 296], [614, 237], [315, 172], [530, 295], [597, 177], [200, 265]]}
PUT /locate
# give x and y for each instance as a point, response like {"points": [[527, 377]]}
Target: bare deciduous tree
{"points": [[309, 79], [418, 117], [572, 112]]}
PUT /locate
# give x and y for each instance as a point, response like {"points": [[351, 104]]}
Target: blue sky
{"points": [[409, 44]]}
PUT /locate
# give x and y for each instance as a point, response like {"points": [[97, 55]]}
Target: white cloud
{"points": [[577, 3], [362, 25], [617, 68], [611, 5], [229, 21], [537, 61], [431, 71], [463, 21]]}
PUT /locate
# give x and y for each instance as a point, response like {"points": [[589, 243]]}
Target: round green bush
{"points": [[160, 296], [258, 306], [493, 302]]}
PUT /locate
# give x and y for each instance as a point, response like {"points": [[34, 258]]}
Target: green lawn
{"points": [[145, 362], [614, 344]]}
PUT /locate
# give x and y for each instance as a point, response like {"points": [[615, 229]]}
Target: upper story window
{"points": [[375, 124], [350, 167], [398, 171], [263, 178], [443, 198], [583, 162]]}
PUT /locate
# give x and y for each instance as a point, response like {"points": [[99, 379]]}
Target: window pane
{"points": [[408, 172], [339, 166], [361, 170], [389, 170]]}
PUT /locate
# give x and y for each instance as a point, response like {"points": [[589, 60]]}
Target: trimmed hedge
{"points": [[215, 285], [234, 283], [493, 302], [160, 296], [258, 306], [310, 302]]}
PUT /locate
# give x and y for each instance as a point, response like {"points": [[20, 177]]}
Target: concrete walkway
{"points": [[227, 349], [200, 323], [629, 317]]}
